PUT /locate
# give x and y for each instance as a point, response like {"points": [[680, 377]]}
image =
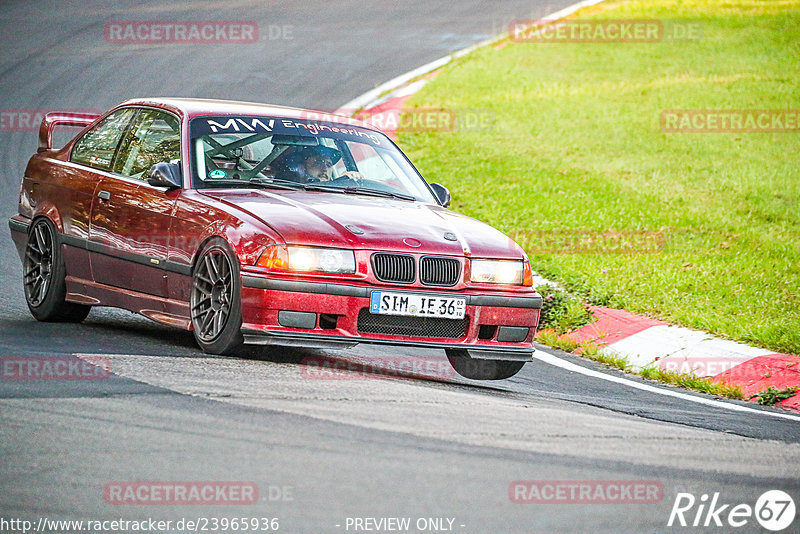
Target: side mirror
{"points": [[165, 175], [442, 194]]}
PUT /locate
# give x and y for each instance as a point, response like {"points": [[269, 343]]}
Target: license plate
{"points": [[389, 303]]}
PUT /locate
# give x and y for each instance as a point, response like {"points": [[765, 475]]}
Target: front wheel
{"points": [[216, 299], [44, 277], [482, 369]]}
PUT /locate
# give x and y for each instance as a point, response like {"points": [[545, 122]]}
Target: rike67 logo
{"points": [[774, 510]]}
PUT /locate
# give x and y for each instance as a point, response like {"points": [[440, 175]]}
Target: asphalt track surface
{"points": [[425, 445]]}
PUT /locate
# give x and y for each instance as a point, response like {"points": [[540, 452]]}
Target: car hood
{"points": [[334, 220]]}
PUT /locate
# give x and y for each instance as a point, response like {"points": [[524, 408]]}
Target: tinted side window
{"points": [[97, 147], [154, 137]]}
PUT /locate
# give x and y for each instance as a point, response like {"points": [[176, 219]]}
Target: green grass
{"points": [[576, 145], [773, 395], [703, 385], [561, 311]]}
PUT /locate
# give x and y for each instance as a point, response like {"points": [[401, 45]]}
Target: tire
{"points": [[216, 299], [44, 276], [482, 369]]}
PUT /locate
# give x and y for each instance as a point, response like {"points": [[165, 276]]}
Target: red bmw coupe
{"points": [[248, 223]]}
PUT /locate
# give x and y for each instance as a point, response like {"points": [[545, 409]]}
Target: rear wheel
{"points": [[482, 369], [44, 277], [216, 298]]}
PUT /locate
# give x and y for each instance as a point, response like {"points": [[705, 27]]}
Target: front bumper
{"points": [[326, 315]]}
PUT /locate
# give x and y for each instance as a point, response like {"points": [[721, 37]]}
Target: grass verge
{"points": [[773, 395], [683, 380], [702, 229]]}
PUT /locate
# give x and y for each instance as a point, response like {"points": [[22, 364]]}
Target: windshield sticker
{"points": [[241, 125], [218, 173], [318, 129], [258, 125], [99, 161]]}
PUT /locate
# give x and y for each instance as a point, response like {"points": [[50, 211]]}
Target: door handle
{"points": [[104, 195]]}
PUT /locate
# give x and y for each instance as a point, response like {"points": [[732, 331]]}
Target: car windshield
{"points": [[281, 153]]}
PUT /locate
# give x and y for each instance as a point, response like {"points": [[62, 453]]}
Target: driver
{"points": [[315, 164]]}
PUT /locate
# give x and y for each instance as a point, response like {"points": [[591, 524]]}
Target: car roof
{"points": [[193, 107]]}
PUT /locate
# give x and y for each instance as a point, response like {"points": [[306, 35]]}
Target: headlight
{"points": [[309, 259], [500, 272]]}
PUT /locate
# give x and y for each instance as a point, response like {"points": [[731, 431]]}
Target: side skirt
{"points": [[162, 310]]}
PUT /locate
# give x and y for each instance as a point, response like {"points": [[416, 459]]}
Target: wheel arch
{"points": [[246, 241], [206, 240], [49, 211]]}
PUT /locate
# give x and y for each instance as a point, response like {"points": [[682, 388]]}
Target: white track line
{"points": [[363, 100], [546, 357]]}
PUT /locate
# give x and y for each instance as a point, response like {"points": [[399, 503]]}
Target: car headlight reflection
{"points": [[309, 259], [497, 272]]}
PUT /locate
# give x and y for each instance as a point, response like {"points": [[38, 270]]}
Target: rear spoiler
{"points": [[61, 118]]}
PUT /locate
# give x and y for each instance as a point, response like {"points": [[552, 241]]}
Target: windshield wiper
{"points": [[359, 191], [255, 181], [294, 186], [277, 184]]}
